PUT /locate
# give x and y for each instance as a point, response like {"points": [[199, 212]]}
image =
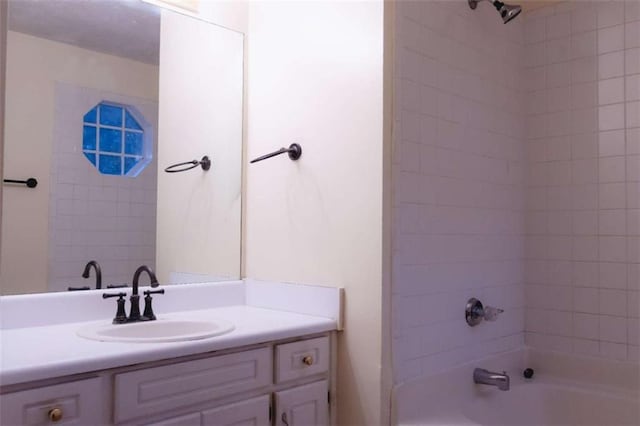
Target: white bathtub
{"points": [[564, 391]]}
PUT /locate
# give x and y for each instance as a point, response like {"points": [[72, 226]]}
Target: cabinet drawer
{"points": [[78, 403], [302, 358], [154, 390]]}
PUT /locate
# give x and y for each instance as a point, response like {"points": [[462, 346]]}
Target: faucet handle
{"points": [[110, 295], [491, 313], [121, 315], [475, 312], [148, 314]]}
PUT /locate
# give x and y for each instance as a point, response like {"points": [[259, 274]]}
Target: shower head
{"points": [[507, 11]]}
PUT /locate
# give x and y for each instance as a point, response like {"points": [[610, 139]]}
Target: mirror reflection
{"points": [[100, 98]]}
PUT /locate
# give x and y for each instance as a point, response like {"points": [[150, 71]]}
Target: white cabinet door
{"points": [[156, 390], [192, 419], [303, 405], [253, 412]]}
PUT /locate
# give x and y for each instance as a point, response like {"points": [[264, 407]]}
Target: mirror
{"points": [[101, 97]]}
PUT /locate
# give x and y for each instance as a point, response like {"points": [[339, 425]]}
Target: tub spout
{"points": [[485, 377]]}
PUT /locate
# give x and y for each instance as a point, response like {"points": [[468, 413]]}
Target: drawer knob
{"points": [[55, 414], [308, 360]]}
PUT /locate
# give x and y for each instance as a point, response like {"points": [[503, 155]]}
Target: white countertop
{"points": [[47, 351], [38, 337]]}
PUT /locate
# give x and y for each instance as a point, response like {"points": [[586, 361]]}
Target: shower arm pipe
{"points": [[507, 12], [495, 3]]}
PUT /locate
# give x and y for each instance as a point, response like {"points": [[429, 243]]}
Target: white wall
{"points": [[199, 216], [33, 67], [230, 14], [3, 52], [233, 15], [458, 184], [583, 181], [316, 78]]}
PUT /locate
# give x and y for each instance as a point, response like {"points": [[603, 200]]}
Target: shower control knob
{"points": [[491, 313], [528, 373]]}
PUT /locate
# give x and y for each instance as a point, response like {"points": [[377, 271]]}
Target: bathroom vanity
{"points": [[274, 367], [288, 380]]}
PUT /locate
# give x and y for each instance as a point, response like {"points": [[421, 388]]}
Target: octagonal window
{"points": [[116, 139]]}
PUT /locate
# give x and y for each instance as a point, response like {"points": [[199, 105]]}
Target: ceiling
{"points": [[126, 28]]}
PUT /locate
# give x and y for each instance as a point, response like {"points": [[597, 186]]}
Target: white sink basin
{"points": [[160, 330]]}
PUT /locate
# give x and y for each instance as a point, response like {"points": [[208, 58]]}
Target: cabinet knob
{"points": [[308, 360], [55, 414]]}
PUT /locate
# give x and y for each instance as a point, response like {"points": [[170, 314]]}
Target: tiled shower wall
{"points": [[111, 219], [458, 184], [583, 190]]}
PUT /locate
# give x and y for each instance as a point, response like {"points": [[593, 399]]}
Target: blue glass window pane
{"points": [[89, 138], [133, 143], [129, 162], [91, 157], [130, 122], [110, 165], [110, 115], [110, 140], [91, 116]]}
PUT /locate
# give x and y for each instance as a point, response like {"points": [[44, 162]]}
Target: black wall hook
{"points": [[294, 151], [31, 182], [205, 163]]}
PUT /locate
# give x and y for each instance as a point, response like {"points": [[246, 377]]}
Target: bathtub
{"points": [[564, 390]]}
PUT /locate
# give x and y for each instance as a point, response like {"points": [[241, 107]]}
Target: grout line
{"points": [[626, 210]]}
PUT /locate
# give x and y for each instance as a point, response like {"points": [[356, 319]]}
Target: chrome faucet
{"points": [[486, 377], [96, 266], [134, 314]]}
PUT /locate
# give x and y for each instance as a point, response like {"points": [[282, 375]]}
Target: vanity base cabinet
{"points": [[281, 383], [72, 403], [303, 405]]}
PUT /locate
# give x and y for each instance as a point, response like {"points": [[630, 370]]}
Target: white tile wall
{"points": [[110, 219], [582, 216], [494, 187], [458, 176]]}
